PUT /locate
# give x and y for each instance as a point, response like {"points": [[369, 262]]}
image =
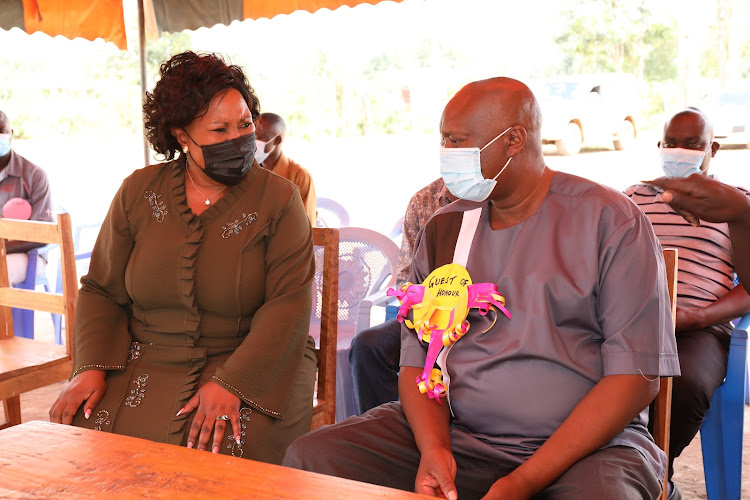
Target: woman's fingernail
{"points": [[179, 412], [216, 449], [87, 413], [189, 445], [237, 439]]}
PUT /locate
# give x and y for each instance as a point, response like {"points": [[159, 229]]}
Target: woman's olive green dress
{"points": [[173, 300]]}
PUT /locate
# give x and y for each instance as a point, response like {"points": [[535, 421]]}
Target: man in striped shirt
{"points": [[707, 299]]}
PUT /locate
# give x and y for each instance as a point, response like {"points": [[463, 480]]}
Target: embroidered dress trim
{"points": [[97, 367], [246, 399]]}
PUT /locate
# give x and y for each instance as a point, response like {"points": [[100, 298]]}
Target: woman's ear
{"points": [[180, 135]]}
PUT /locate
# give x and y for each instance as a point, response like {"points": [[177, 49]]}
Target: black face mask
{"points": [[228, 162]]}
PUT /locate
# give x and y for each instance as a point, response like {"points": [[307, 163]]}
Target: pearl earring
{"points": [[185, 149]]}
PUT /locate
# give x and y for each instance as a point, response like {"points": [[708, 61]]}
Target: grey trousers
{"points": [[378, 447]]}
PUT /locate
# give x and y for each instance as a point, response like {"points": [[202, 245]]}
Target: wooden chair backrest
{"points": [[663, 401], [324, 409], [27, 364]]}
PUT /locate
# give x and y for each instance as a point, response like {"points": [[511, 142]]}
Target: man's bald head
{"points": [[697, 117], [501, 102], [270, 125]]}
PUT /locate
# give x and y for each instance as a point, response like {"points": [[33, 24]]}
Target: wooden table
{"points": [[46, 460]]}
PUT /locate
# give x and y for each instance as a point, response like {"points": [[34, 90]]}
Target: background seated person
{"points": [[374, 352], [192, 323], [553, 401], [707, 300], [24, 194], [271, 131]]}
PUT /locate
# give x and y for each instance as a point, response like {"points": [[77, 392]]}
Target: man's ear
{"points": [[714, 148], [658, 144], [517, 140], [276, 140]]}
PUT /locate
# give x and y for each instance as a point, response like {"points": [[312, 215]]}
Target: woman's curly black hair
{"points": [[188, 83]]}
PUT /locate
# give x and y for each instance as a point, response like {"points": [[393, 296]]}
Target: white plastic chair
{"points": [[331, 213], [367, 268]]}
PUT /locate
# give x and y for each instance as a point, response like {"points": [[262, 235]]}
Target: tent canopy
{"points": [[92, 19]]}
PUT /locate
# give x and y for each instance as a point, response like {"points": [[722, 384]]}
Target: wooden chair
{"points": [[663, 401], [327, 288], [27, 364]]}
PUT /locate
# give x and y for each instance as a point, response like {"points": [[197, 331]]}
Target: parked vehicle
{"points": [[588, 110], [729, 112]]}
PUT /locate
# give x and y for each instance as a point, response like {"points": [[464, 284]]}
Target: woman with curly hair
{"points": [[192, 323]]}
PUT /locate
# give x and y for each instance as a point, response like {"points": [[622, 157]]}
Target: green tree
{"points": [[660, 64], [619, 36]]}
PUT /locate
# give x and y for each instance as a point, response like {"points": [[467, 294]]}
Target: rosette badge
{"points": [[439, 308]]}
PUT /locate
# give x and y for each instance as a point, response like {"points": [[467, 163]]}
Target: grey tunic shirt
{"points": [[585, 282]]}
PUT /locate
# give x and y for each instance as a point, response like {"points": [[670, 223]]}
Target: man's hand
{"points": [[689, 319], [436, 474], [700, 197], [429, 422], [510, 487]]}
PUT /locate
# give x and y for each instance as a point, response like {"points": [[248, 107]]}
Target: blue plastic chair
{"points": [[23, 319], [721, 432]]}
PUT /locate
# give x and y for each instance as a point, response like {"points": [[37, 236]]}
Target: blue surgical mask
{"points": [[461, 169], [680, 162], [4, 144]]}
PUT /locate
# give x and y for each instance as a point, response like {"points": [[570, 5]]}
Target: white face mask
{"points": [[680, 162], [260, 151], [461, 169]]}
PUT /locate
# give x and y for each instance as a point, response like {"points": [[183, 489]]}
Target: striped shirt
{"points": [[705, 264]]}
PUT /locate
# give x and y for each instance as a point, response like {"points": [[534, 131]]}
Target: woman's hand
{"points": [[212, 401], [88, 386]]}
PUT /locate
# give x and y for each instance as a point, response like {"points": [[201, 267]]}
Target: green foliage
{"points": [[660, 63], [617, 36], [603, 36]]}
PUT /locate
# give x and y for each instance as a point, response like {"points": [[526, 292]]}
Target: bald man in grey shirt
{"points": [[552, 402]]}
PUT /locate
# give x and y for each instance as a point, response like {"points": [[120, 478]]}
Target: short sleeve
{"points": [[633, 303]]}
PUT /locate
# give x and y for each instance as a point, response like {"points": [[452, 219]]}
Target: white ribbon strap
{"points": [[466, 236], [469, 225]]}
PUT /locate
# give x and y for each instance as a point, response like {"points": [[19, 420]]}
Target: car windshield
{"points": [[734, 99]]}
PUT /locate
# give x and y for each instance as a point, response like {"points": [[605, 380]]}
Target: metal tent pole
{"points": [[142, 52]]}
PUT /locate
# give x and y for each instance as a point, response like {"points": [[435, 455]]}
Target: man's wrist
{"points": [[524, 485]]}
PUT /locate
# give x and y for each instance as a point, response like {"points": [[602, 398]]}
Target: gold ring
{"points": [[222, 417]]}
